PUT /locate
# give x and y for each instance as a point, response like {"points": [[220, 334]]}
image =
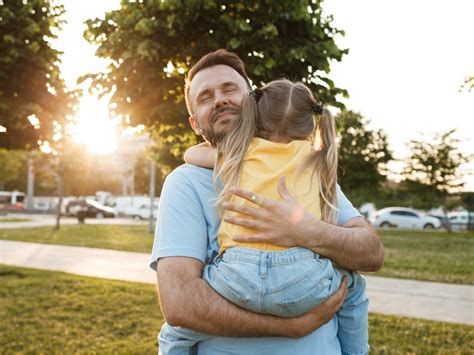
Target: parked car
{"points": [[405, 218], [143, 212], [92, 208], [461, 220]]}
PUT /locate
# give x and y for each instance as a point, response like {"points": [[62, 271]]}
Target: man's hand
{"points": [[312, 320], [353, 246], [277, 222]]}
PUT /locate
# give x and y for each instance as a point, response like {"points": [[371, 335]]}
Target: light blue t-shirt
{"points": [[187, 225]]}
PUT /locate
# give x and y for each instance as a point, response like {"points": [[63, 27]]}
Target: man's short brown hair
{"points": [[220, 56]]}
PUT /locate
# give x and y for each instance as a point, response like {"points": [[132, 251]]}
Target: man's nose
{"points": [[221, 100]]}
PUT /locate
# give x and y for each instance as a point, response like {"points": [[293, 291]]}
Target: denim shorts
{"points": [[283, 283]]}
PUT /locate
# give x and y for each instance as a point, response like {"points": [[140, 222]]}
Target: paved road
{"points": [[417, 299]]}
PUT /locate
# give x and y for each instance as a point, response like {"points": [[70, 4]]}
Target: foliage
{"points": [[467, 199], [84, 172], [431, 256], [469, 83], [152, 44], [435, 162], [13, 170], [363, 154], [414, 194], [142, 176], [30, 82], [52, 312]]}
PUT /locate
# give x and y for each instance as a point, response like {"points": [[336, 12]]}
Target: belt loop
{"points": [[263, 265], [218, 258]]}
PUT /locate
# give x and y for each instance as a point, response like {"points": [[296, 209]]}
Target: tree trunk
{"points": [[447, 225], [30, 181], [59, 176]]}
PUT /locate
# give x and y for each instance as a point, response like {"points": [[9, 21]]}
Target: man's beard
{"points": [[213, 137]]}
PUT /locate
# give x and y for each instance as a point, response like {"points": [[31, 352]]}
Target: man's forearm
{"points": [[208, 312], [353, 246], [188, 301]]}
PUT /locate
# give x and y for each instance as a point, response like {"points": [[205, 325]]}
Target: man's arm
{"points": [[188, 301], [354, 245]]}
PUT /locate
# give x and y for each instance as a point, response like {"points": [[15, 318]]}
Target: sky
{"points": [[407, 61]]}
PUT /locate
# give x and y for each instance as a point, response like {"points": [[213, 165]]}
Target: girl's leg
{"points": [[178, 340], [352, 317]]}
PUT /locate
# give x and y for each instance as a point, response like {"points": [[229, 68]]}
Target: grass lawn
{"points": [[117, 237], [5, 220], [433, 256], [52, 312]]}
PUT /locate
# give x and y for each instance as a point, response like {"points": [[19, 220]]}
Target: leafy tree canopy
{"points": [[363, 154], [435, 161], [32, 94], [152, 44]]}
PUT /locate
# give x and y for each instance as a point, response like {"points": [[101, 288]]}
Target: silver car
{"points": [[403, 218]]}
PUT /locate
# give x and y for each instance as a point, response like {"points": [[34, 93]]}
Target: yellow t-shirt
{"points": [[263, 165]]}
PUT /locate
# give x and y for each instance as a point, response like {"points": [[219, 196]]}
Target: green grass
{"points": [[401, 335], [117, 237], [52, 312], [431, 256], [5, 220]]}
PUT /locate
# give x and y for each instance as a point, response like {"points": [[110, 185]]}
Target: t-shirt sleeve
{"points": [[346, 210], [181, 228]]}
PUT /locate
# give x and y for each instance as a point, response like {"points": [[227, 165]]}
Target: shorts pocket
{"points": [[230, 290], [302, 303]]}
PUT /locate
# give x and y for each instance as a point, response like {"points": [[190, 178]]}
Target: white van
{"points": [[12, 200]]}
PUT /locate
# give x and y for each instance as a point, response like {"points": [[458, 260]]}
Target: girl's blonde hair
{"points": [[282, 109]]}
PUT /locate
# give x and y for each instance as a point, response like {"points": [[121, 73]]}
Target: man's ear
{"points": [[195, 125]]}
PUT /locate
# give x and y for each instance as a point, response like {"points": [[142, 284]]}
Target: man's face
{"points": [[216, 95]]}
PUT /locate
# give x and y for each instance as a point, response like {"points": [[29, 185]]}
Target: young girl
{"points": [[283, 131]]}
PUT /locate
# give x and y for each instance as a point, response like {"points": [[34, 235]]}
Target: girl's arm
{"points": [[203, 155]]}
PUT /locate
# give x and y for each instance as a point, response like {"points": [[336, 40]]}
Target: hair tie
{"points": [[256, 94], [318, 108]]}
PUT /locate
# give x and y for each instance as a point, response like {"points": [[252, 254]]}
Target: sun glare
{"points": [[94, 127]]}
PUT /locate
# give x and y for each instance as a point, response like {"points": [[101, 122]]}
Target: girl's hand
{"points": [[285, 223]]}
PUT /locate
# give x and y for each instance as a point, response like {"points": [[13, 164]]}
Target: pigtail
{"points": [[324, 160], [232, 149]]}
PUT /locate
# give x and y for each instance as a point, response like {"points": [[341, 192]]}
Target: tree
{"points": [[467, 199], [13, 169], [152, 44], [468, 84], [32, 94], [435, 162], [363, 154]]}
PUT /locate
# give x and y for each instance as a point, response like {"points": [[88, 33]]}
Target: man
{"points": [[188, 223]]}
